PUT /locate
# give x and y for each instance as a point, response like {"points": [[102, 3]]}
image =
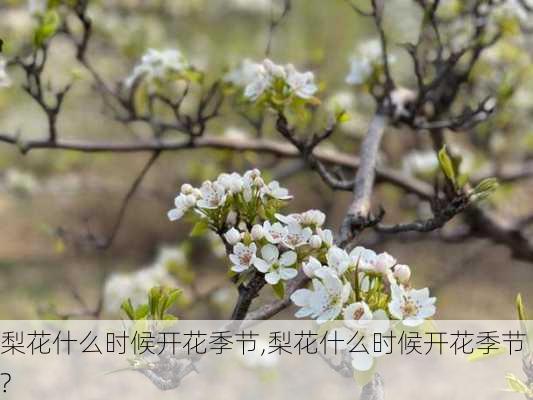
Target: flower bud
{"points": [[186, 188], [231, 219], [402, 273], [384, 262], [233, 236], [190, 200], [259, 182], [197, 193], [315, 242], [257, 232]]}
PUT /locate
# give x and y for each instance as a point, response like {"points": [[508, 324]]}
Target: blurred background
{"points": [[51, 200]]}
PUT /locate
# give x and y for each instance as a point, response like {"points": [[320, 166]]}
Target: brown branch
{"points": [[358, 216]]}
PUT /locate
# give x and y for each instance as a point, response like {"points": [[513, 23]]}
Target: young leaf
{"points": [[200, 228], [279, 289], [446, 165]]}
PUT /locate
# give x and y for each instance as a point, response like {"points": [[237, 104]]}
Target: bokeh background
{"points": [[50, 200]]}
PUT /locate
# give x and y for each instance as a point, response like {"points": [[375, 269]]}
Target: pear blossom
{"points": [[311, 267], [182, 203], [275, 267], [365, 259], [274, 190], [36, 7], [243, 257], [233, 183], [302, 84], [274, 233], [360, 70], [326, 235], [338, 260], [402, 273], [313, 217], [245, 74], [258, 83], [186, 188], [257, 232], [213, 195], [368, 56], [5, 80], [420, 163], [323, 303], [296, 236], [315, 242], [411, 306], [357, 315], [384, 263], [157, 64], [233, 236]]}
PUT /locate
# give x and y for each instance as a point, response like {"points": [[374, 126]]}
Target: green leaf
{"points": [[127, 307], [48, 27], [516, 385], [446, 165], [142, 311], [479, 354], [486, 186], [279, 289], [520, 308], [200, 228]]}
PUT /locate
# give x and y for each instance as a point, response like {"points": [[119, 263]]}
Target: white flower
{"points": [[360, 70], [384, 263], [183, 203], [243, 257], [37, 6], [420, 162], [289, 219], [275, 191], [412, 306], [311, 267], [402, 273], [245, 74], [296, 236], [260, 83], [360, 339], [233, 183], [338, 260], [302, 84], [515, 9], [275, 267], [157, 64], [213, 195], [5, 80], [313, 217], [369, 55], [325, 301], [233, 236], [186, 188], [274, 233], [257, 232], [357, 315], [365, 259], [326, 235], [315, 242]]}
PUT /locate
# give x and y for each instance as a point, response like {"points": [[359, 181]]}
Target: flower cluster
{"points": [[276, 248], [230, 200], [368, 59], [158, 66], [357, 283], [276, 84], [353, 287], [362, 292]]}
